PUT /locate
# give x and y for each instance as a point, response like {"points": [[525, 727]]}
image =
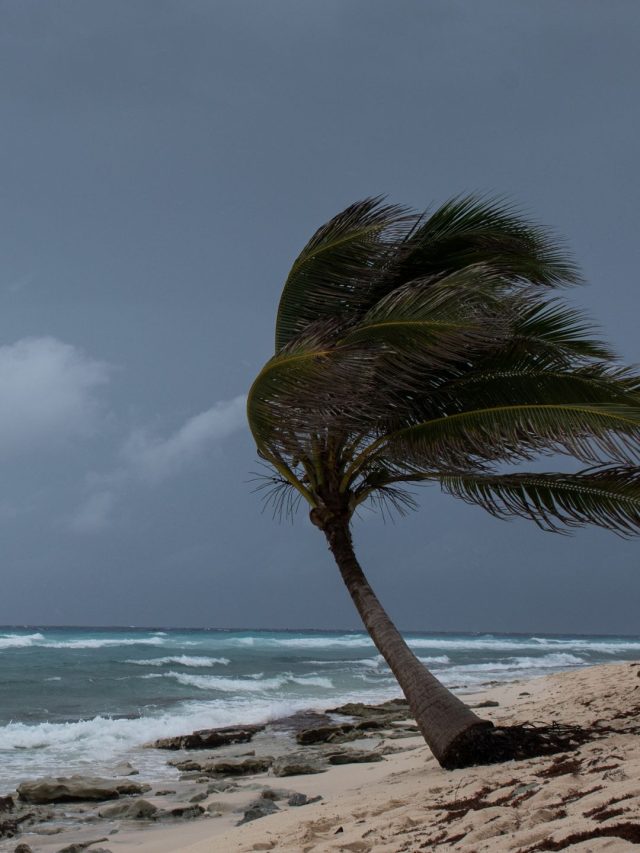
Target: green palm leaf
{"points": [[592, 433], [609, 497], [471, 229], [433, 322], [335, 274], [551, 329], [596, 383], [310, 384]]}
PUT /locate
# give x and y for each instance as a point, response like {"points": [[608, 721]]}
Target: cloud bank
{"points": [[154, 459], [149, 459], [47, 393]]}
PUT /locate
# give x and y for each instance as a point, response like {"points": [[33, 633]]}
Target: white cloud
{"points": [[47, 392], [152, 458]]}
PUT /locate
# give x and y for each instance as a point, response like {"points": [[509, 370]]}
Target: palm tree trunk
{"points": [[449, 727]]}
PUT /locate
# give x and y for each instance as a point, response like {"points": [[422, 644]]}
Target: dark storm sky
{"points": [[162, 163]]}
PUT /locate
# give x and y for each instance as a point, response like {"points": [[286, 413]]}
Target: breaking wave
{"points": [[182, 660]]}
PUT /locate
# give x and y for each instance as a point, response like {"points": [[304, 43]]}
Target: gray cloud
{"points": [[48, 392], [153, 459], [149, 459]]}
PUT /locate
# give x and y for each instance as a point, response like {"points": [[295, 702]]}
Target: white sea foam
{"points": [[454, 644], [506, 670], [19, 641], [93, 643], [545, 662], [250, 684], [28, 751], [440, 659], [322, 642], [181, 660]]}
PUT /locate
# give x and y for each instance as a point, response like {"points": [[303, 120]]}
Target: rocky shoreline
{"points": [[223, 772]]}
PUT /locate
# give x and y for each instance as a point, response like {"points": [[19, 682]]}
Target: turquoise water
{"points": [[76, 699]]}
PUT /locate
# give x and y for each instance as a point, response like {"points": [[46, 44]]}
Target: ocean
{"points": [[79, 700]]}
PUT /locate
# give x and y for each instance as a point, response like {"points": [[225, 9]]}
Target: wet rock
{"points": [[198, 798], [186, 765], [65, 789], [7, 804], [354, 756], [302, 800], [488, 703], [244, 767], [342, 732], [257, 809], [131, 810], [297, 764], [23, 848], [321, 734], [403, 732], [208, 738], [396, 709], [301, 720], [166, 793]]}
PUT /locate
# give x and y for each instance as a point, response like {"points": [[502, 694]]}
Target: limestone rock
{"points": [[209, 738], [302, 800], [131, 810], [64, 789], [257, 809], [354, 756], [297, 764], [236, 767], [396, 709]]}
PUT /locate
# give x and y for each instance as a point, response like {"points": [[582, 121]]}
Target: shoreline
{"points": [[403, 801]]}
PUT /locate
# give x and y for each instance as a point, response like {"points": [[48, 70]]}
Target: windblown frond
{"points": [[593, 433], [470, 230], [304, 388], [596, 383], [431, 322], [552, 330], [335, 274], [608, 497]]}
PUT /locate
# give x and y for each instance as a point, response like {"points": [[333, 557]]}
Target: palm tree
{"points": [[431, 349]]}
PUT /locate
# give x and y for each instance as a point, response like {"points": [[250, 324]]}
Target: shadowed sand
{"points": [[585, 800]]}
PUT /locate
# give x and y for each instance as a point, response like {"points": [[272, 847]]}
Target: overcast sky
{"points": [[162, 164]]}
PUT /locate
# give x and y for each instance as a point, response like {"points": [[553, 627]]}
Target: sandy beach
{"points": [[585, 800]]}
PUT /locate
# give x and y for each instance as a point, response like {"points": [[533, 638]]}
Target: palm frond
{"points": [[278, 495], [606, 497], [553, 329], [431, 322], [472, 229], [312, 386], [592, 433], [596, 383], [335, 274]]}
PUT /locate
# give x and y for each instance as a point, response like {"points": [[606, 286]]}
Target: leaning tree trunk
{"points": [[454, 733]]}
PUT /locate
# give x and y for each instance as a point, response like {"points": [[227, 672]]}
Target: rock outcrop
{"points": [[208, 738], [65, 789]]}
